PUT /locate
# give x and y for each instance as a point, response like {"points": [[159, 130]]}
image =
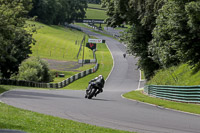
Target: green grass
{"points": [[95, 14], [105, 65], [95, 6], [182, 75], [68, 74], [142, 75], [186, 107], [57, 42], [60, 79]]}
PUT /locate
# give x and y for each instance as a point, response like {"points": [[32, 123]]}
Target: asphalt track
{"points": [[108, 109]]}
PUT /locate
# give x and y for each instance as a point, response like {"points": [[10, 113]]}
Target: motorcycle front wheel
{"points": [[91, 93]]}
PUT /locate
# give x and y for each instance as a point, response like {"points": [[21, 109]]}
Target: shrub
{"points": [[34, 69]]}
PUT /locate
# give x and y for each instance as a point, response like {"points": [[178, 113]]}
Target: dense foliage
{"points": [[34, 69], [176, 34], [94, 1], [58, 11], [14, 39], [163, 33]]}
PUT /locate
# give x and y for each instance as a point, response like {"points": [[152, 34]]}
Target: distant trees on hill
{"points": [[94, 1], [58, 11]]}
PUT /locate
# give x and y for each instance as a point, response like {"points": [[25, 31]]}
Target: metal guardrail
{"points": [[50, 85], [190, 94]]}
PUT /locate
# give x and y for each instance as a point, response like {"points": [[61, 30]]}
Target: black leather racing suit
{"points": [[97, 83]]}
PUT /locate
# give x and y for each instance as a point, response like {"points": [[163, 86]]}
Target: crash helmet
{"points": [[100, 76]]}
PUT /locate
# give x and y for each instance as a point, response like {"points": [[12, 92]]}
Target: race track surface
{"points": [[108, 109]]}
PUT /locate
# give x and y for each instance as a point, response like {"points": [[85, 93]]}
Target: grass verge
{"points": [[186, 107]]}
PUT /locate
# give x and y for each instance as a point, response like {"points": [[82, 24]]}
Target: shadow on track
{"points": [[35, 95], [98, 99]]}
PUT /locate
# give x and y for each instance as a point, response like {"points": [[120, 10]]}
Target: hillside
{"points": [[57, 42], [182, 75], [95, 11]]}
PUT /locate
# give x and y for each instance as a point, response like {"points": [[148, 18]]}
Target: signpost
{"points": [[91, 46], [96, 41], [94, 21]]}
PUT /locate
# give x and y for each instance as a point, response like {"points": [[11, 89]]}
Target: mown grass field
{"points": [[95, 6], [58, 42], [95, 14]]}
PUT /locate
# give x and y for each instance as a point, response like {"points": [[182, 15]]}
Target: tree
{"points": [[14, 39], [94, 1], [163, 33], [169, 34], [193, 13], [71, 10], [140, 14], [176, 35], [45, 10], [34, 69], [58, 11]]}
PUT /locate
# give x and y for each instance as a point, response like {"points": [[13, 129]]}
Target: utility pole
{"points": [[83, 44]]}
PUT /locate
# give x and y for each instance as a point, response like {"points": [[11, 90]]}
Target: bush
{"points": [[34, 69]]}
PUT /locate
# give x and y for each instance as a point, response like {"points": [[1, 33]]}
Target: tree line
{"points": [[163, 33], [94, 1], [16, 34], [58, 11]]}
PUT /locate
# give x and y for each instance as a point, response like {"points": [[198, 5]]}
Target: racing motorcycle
{"points": [[91, 91]]}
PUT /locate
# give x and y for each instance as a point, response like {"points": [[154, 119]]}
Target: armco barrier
{"points": [[190, 94], [49, 85]]}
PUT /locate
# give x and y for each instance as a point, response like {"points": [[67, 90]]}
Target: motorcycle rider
{"points": [[98, 83]]}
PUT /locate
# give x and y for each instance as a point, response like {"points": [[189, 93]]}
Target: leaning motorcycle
{"points": [[91, 91]]}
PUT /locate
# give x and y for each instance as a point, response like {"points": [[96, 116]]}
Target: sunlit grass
{"points": [[182, 75], [95, 14], [58, 42], [138, 95]]}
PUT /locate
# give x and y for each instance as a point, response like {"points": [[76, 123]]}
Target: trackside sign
{"points": [[96, 41]]}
